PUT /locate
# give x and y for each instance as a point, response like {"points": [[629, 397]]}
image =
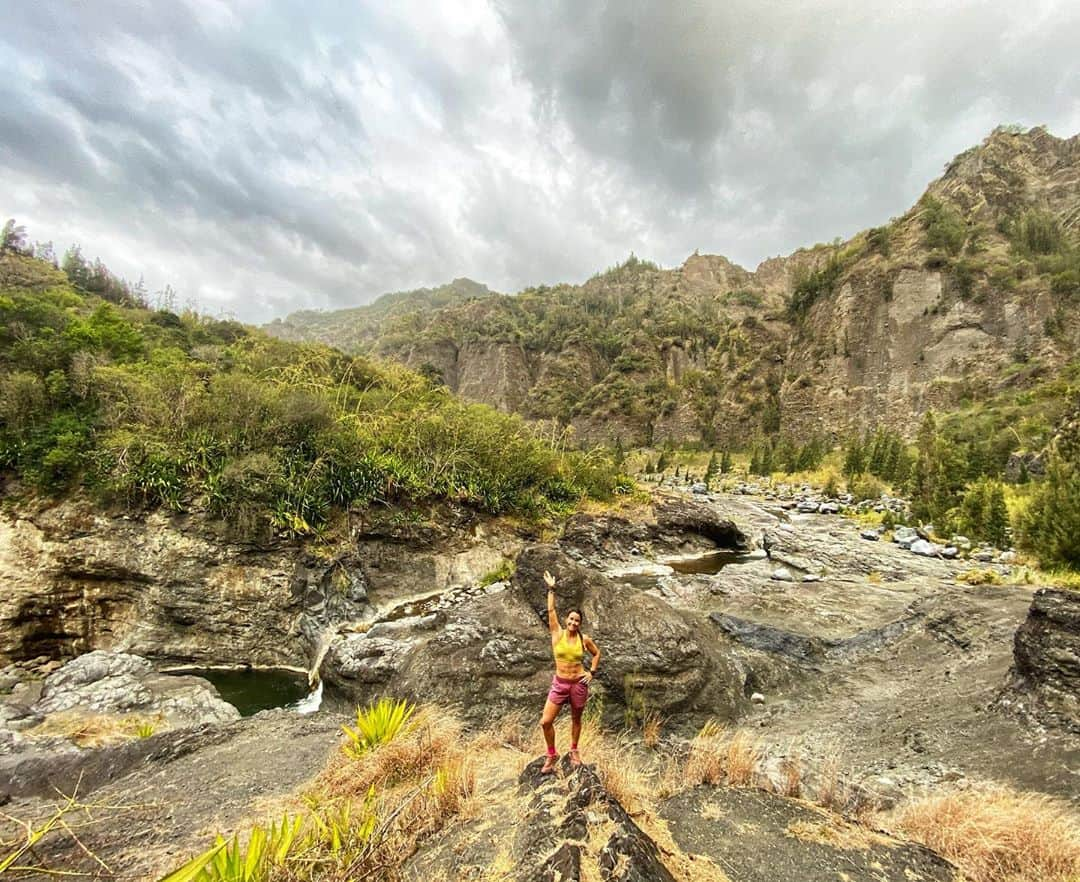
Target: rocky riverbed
{"points": [[833, 651]]}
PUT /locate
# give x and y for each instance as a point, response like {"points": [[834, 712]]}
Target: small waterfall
{"points": [[311, 702], [325, 640]]}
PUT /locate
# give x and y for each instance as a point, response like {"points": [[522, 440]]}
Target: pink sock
{"points": [[573, 746], [551, 751]]}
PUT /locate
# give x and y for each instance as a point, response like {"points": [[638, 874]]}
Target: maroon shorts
{"points": [[575, 690]]}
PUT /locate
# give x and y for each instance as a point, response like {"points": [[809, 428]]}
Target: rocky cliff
{"points": [[960, 297]]}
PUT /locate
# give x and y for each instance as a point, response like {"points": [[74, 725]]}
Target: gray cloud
{"points": [[262, 160]]}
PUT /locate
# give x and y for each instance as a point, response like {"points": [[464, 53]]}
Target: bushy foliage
{"points": [[945, 228], [812, 285], [1038, 232], [153, 408], [1050, 527], [983, 513]]}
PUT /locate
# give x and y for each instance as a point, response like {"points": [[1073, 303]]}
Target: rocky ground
{"points": [[842, 655]]}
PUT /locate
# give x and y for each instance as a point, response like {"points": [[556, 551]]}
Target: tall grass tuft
{"points": [[996, 834]]}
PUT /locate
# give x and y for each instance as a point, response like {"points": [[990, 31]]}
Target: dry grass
{"points": [[836, 832], [618, 767], [651, 727], [716, 758], [96, 730], [831, 791], [432, 738], [791, 776], [989, 576], [995, 834]]}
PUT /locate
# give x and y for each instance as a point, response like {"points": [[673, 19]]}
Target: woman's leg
{"points": [[547, 723], [575, 732]]}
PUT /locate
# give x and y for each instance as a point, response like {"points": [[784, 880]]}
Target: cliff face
{"points": [[935, 308], [176, 589], [921, 328]]}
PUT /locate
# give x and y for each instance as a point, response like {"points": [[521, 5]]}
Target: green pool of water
{"points": [[251, 691]]}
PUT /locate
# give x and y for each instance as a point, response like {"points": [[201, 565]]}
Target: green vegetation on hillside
{"points": [[148, 407]]}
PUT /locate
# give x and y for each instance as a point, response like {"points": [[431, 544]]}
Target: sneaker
{"points": [[549, 764]]}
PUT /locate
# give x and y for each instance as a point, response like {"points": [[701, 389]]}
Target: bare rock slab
{"points": [[760, 837]]}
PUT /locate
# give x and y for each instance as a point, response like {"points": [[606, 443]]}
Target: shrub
{"points": [[945, 228], [866, 487], [377, 724]]}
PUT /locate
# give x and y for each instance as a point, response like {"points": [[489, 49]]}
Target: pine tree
{"points": [[854, 460], [996, 527], [755, 462], [712, 468], [725, 462]]}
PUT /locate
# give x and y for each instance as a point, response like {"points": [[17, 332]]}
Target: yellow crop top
{"points": [[570, 652]]}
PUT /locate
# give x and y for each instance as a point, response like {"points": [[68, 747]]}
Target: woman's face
{"points": [[573, 622]]}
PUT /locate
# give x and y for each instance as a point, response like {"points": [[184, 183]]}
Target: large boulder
{"points": [[676, 524], [492, 654], [120, 683], [1046, 653]]}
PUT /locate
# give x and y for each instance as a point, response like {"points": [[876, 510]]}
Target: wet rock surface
{"points": [[1047, 658]]}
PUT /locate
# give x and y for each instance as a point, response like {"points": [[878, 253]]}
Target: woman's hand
{"points": [[586, 678], [549, 580]]}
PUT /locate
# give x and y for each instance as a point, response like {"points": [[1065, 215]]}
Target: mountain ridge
{"points": [[930, 310]]}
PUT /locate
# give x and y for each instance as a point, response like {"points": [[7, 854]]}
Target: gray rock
{"points": [[809, 506], [120, 683], [925, 549], [699, 489], [829, 508], [757, 698], [782, 574], [983, 556], [108, 682], [905, 535], [950, 552], [871, 535], [1046, 657], [1007, 557]]}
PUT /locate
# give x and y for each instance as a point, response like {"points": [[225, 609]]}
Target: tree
{"points": [[712, 468], [996, 527], [854, 458], [725, 462], [13, 238]]}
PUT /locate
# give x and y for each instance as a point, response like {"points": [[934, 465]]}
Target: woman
{"points": [[571, 680]]}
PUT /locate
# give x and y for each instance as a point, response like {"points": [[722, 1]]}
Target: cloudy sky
{"points": [[265, 157]]}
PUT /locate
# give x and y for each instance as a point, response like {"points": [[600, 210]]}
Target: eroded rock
{"points": [[1046, 652]]}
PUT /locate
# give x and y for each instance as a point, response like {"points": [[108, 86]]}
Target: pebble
{"points": [[757, 698], [782, 574], [871, 535]]}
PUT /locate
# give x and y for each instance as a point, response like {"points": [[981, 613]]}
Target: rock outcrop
{"points": [[177, 588], [492, 654], [1047, 658]]}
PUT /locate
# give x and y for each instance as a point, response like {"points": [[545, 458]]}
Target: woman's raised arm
{"points": [[553, 618]]}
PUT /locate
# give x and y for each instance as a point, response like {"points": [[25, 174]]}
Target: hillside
{"points": [[963, 301], [149, 408]]}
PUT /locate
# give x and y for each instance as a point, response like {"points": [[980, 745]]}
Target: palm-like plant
{"points": [[378, 723]]}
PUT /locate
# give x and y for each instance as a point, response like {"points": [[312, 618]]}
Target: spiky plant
{"points": [[378, 723]]}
